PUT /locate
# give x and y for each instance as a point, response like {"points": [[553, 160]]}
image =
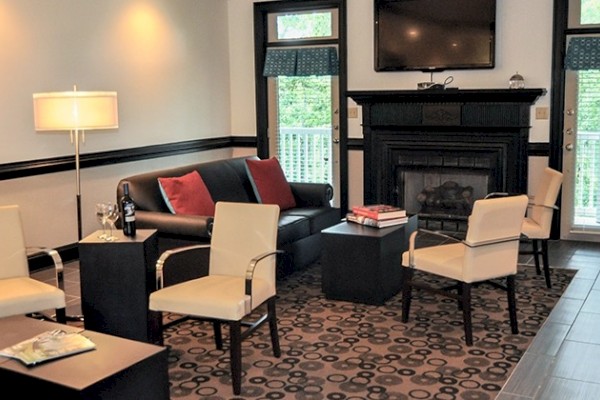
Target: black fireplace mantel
{"points": [[440, 121], [528, 96]]}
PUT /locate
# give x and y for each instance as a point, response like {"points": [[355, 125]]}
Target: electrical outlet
{"points": [[352, 112], [541, 112]]}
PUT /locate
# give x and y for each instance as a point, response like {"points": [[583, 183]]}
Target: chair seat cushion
{"points": [[24, 295], [213, 296], [444, 260], [533, 230]]}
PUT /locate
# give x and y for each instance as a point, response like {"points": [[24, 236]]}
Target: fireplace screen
{"points": [[439, 192]]}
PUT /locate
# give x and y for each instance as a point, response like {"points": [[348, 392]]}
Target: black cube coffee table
{"points": [[363, 264]]}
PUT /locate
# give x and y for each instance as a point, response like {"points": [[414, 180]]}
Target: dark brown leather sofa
{"points": [[227, 180]]}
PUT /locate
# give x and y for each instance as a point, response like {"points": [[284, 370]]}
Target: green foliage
{"points": [[294, 26], [590, 12], [304, 101], [587, 187], [589, 101]]}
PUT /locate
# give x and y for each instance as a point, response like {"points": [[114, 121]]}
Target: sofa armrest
{"points": [[185, 225], [312, 194]]}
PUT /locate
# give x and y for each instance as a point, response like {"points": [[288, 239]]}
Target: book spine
{"points": [[379, 215]]}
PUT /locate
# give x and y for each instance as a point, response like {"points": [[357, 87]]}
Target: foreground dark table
{"points": [[363, 264], [116, 281], [118, 369]]}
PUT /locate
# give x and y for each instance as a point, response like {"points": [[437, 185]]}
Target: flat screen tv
{"points": [[434, 35]]}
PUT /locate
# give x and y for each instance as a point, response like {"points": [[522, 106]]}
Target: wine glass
{"points": [[101, 215], [112, 216]]}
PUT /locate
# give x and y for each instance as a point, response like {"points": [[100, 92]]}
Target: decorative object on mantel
{"points": [[516, 81]]}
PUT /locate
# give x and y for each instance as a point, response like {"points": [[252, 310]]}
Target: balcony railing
{"points": [[587, 184], [305, 154]]}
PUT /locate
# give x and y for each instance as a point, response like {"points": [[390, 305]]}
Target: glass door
{"points": [[580, 214], [303, 109]]}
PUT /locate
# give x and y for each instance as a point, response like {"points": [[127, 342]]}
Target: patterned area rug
{"points": [[345, 351]]}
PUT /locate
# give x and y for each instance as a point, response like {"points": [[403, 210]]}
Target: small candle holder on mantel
{"points": [[516, 81]]}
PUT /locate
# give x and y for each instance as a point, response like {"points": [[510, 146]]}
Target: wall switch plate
{"points": [[542, 113]]}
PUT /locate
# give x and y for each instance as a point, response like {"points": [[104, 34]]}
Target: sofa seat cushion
{"points": [[292, 228], [187, 195], [320, 217]]}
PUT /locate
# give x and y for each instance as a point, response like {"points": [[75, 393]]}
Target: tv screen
{"points": [[434, 35]]}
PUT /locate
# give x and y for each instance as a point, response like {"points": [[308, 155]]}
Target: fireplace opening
{"points": [[441, 189]]}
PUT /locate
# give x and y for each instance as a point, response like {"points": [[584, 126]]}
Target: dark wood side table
{"points": [[118, 369], [116, 280], [363, 264]]}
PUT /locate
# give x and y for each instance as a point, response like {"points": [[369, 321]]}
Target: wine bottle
{"points": [[128, 208]]}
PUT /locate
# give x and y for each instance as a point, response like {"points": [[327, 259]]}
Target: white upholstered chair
{"points": [[538, 222], [19, 293], [489, 251], [241, 278]]}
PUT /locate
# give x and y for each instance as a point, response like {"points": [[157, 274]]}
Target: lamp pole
{"points": [[78, 186]]}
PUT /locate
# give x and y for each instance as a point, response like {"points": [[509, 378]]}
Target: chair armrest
{"points": [[490, 242], [168, 253], [250, 272], [412, 240], [554, 207], [197, 226], [312, 194], [56, 260]]}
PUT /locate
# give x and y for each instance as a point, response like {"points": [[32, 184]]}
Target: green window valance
{"points": [[583, 53], [301, 62]]}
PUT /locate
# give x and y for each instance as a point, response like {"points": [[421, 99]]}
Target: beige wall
{"points": [[168, 60]]}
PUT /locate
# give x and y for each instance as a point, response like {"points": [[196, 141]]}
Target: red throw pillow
{"points": [[270, 184], [187, 194]]}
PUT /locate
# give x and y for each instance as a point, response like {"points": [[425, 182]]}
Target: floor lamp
{"points": [[75, 112]]}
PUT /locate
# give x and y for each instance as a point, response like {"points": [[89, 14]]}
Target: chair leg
{"points": [[466, 309], [407, 274], [273, 327], [61, 315], [536, 255], [545, 263], [218, 335], [512, 303], [235, 351]]}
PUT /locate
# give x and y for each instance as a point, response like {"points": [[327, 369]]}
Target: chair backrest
{"points": [[542, 211], [13, 252], [240, 232], [492, 240]]}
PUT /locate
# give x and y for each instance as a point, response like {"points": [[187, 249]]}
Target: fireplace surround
{"points": [[425, 141]]}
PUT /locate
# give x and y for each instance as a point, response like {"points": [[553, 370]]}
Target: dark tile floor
{"points": [[563, 361]]}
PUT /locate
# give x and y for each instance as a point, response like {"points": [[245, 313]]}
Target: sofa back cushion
{"points": [[227, 180]]}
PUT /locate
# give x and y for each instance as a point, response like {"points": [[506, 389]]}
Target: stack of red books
{"points": [[377, 215]]}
